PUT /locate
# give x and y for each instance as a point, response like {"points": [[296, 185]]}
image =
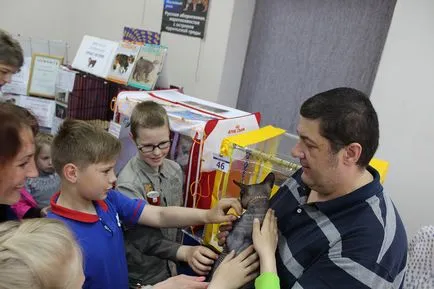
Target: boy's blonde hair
{"points": [[42, 138], [38, 253], [82, 144], [147, 114]]}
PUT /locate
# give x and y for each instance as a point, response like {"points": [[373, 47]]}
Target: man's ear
{"points": [[352, 153], [70, 172]]}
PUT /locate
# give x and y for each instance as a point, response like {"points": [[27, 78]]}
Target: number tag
{"points": [[221, 163]]}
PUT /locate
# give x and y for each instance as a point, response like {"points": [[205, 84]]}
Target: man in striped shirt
{"points": [[338, 229]]}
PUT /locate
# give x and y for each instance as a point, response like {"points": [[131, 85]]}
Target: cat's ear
{"points": [[240, 185], [269, 180]]}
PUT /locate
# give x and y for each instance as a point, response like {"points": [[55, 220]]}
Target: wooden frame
{"points": [[43, 75]]}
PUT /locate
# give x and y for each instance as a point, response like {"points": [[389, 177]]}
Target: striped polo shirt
{"points": [[354, 241]]}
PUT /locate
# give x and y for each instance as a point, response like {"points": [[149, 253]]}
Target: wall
{"points": [[300, 48], [210, 69], [403, 97]]}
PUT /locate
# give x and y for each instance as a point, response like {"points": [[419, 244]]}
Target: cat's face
{"points": [[250, 192]]}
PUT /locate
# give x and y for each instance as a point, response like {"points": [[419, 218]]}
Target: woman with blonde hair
{"points": [[39, 254]]}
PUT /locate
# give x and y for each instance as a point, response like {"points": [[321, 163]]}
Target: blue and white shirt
{"points": [[101, 238], [354, 241]]}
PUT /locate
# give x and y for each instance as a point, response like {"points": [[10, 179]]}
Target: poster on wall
{"points": [[43, 109], [95, 55], [43, 75], [185, 17]]}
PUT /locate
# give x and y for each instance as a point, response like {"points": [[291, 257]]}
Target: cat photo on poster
{"points": [[123, 62], [148, 66]]}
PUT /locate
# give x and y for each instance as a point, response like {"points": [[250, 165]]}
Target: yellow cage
{"points": [[251, 157]]}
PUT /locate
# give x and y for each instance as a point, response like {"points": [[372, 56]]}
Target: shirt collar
{"points": [[76, 215], [150, 170], [358, 196]]}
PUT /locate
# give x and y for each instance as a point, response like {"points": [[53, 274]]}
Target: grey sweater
{"points": [[43, 187], [149, 250]]}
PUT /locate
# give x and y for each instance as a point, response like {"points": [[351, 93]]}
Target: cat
{"points": [[123, 61], [255, 199], [195, 2], [143, 68], [91, 63]]}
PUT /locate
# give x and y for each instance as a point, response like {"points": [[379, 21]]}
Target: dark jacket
{"points": [[6, 214], [142, 244]]}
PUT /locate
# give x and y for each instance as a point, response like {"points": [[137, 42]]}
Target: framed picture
{"points": [[60, 111], [43, 75], [62, 97]]}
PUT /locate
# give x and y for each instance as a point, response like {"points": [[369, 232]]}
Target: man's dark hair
{"points": [[346, 115]]}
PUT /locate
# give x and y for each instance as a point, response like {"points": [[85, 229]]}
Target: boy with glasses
{"points": [[150, 172]]}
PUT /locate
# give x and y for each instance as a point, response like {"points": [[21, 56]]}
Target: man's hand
{"points": [[217, 215], [182, 282], [199, 258], [234, 272]]}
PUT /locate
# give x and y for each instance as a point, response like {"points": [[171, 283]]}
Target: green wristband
{"points": [[267, 280]]}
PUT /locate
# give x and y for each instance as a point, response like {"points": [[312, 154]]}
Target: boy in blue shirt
{"points": [[84, 157]]}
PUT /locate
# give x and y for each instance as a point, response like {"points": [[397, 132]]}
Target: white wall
{"points": [[403, 95], [210, 68]]}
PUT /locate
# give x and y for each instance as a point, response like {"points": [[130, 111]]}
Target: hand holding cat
{"points": [[199, 258], [234, 272], [218, 215], [265, 241]]}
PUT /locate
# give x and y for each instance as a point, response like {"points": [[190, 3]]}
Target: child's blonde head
{"points": [[38, 254], [147, 114], [41, 139], [82, 144]]}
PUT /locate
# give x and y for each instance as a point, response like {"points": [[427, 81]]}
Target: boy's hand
{"points": [[218, 215], [234, 272], [265, 241], [199, 258], [45, 211], [223, 233], [265, 237]]}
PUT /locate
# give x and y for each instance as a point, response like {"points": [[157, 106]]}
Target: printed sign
{"points": [[95, 55], [221, 163], [185, 17], [43, 75]]}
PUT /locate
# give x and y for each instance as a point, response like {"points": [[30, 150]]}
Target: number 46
{"points": [[221, 165]]}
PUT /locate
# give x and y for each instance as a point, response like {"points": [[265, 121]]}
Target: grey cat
{"points": [[255, 199], [143, 68]]}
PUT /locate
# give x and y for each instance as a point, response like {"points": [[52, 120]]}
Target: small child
{"points": [[48, 182], [85, 157]]}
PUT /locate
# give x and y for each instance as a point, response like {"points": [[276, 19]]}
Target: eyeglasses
{"points": [[150, 148]]}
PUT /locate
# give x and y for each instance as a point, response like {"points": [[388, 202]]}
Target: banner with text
{"points": [[185, 17]]}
